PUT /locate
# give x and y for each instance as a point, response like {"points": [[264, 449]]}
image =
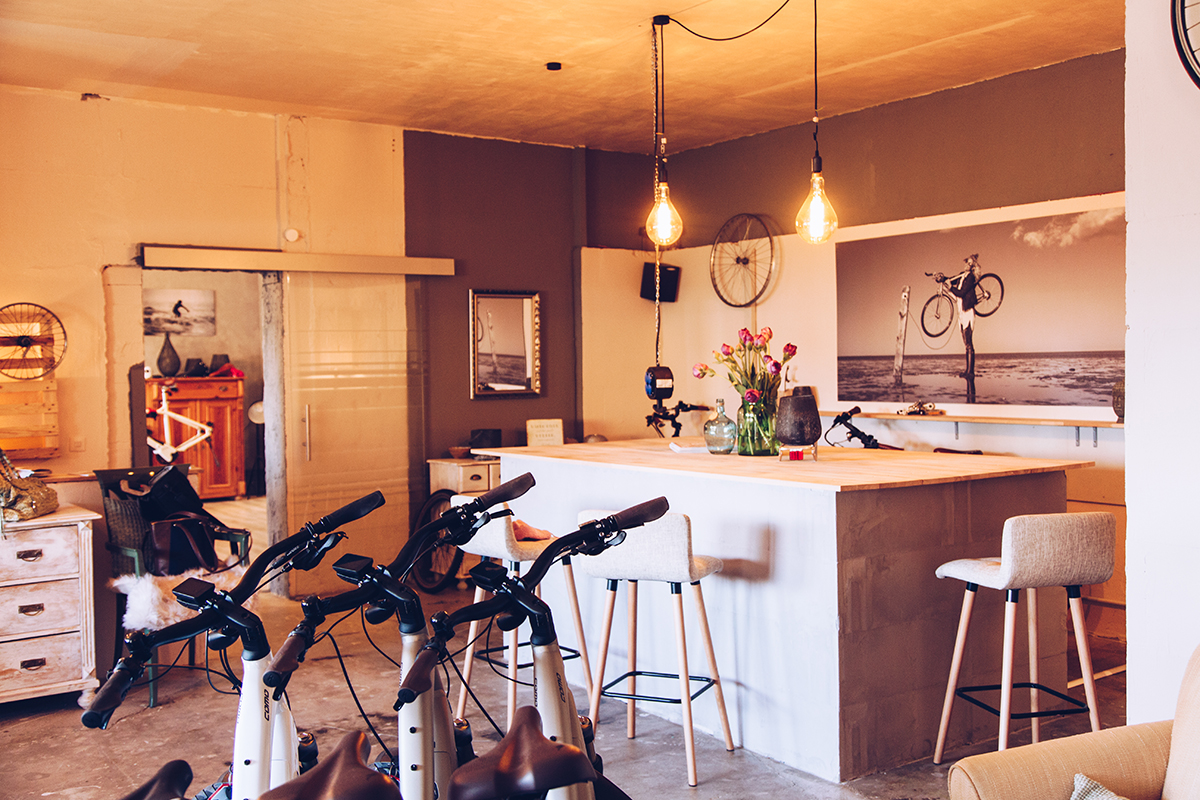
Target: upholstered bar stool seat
{"points": [[1036, 551], [501, 540], [658, 551]]}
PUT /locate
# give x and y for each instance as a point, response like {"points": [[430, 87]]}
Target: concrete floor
{"points": [[48, 753]]}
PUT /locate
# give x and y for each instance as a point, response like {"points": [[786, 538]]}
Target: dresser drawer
{"points": [[34, 607], [39, 553], [42, 660], [463, 475], [200, 389]]}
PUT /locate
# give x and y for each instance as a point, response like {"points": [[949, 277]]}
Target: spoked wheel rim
{"points": [[32, 341], [436, 569], [742, 260]]}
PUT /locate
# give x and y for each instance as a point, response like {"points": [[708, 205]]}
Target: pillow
{"points": [[1088, 789]]}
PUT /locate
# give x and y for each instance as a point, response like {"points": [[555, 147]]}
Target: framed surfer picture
{"points": [[505, 344], [1029, 311], [180, 312]]}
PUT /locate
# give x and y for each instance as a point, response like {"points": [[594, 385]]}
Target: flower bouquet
{"points": [[756, 376]]}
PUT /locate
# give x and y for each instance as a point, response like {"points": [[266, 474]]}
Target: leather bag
{"points": [[23, 498], [181, 542]]}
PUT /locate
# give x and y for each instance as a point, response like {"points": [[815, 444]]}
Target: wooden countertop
{"points": [[838, 469]]}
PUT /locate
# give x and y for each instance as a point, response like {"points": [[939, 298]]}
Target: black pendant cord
{"points": [[730, 38], [816, 105], [660, 146]]}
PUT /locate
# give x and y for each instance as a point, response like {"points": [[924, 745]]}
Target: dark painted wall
{"points": [[1046, 134], [503, 211]]}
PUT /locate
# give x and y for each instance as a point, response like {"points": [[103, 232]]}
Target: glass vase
{"points": [[756, 430], [720, 432]]}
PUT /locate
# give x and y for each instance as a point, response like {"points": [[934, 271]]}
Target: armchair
{"points": [[1141, 762]]}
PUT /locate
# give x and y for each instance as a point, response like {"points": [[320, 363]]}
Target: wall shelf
{"points": [[1077, 424]]}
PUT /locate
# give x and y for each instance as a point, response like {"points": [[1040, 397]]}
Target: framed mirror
{"points": [[506, 355]]}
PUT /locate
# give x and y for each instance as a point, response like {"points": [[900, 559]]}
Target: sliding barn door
{"points": [[347, 416]]}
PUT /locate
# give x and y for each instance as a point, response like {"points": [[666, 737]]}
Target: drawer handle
{"points": [[475, 477], [29, 555], [33, 663], [31, 610]]}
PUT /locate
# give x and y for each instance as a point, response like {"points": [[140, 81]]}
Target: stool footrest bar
{"points": [[1079, 707], [649, 698]]}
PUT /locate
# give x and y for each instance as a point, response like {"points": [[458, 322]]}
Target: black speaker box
{"points": [[668, 284]]}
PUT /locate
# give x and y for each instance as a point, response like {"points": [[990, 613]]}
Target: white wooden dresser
{"points": [[47, 614]]}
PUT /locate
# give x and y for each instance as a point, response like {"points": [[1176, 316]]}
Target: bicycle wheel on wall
{"points": [[937, 315], [989, 292], [436, 569]]}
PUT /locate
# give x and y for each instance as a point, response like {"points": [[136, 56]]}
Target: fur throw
{"points": [[151, 606]]}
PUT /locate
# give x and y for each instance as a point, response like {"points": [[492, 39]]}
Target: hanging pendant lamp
{"points": [[817, 220], [664, 226]]}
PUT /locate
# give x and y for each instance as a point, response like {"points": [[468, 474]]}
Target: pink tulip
{"points": [[745, 336], [700, 370], [726, 350], [774, 367], [752, 396], [789, 350], [760, 341], [766, 334]]}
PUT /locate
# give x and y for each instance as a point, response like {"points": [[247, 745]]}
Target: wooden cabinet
{"points": [[47, 614], [220, 459], [463, 475]]}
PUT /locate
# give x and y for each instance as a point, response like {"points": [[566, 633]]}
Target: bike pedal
{"points": [[386, 768]]}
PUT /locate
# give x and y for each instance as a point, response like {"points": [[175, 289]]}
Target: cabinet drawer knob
{"points": [[30, 555], [31, 610], [33, 663], [475, 477]]}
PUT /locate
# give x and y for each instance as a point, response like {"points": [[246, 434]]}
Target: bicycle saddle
{"points": [[343, 775], [523, 762], [169, 783]]}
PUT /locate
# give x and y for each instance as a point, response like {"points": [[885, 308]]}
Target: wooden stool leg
{"points": [[685, 689], [605, 633], [573, 601], [631, 681], [512, 676], [1085, 654], [1032, 613], [960, 642], [460, 711], [706, 634], [1006, 669]]}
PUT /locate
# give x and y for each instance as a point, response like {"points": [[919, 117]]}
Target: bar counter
{"points": [[832, 634]]}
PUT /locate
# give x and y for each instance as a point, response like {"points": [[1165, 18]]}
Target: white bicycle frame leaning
{"points": [[167, 450]]}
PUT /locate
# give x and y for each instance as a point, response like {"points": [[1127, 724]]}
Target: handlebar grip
{"points": [[350, 512], [287, 660], [419, 678], [110, 695], [506, 491], [640, 514]]}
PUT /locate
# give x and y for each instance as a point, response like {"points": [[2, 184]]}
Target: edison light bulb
{"points": [[664, 226], [817, 220]]}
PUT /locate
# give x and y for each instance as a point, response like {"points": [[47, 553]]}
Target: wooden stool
{"points": [[1037, 550], [658, 551], [497, 540]]}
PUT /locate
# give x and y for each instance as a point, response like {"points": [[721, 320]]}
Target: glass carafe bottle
{"points": [[720, 432]]}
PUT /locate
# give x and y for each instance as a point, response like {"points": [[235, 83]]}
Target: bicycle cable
{"points": [[354, 695]]}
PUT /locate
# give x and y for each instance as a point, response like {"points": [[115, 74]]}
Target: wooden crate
{"points": [[29, 418]]}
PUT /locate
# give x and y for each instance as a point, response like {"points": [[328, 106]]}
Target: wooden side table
{"points": [[47, 615], [463, 475]]}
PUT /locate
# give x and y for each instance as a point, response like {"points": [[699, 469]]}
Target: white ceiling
{"points": [[477, 67]]}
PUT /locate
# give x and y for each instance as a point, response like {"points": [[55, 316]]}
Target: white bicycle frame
{"points": [[167, 450], [426, 753], [264, 737]]}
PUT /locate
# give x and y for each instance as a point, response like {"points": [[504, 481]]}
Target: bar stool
{"points": [[1037, 550], [658, 551], [498, 540]]}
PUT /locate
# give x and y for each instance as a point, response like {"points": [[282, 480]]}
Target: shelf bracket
{"points": [[1095, 437], [1077, 436], [956, 431]]}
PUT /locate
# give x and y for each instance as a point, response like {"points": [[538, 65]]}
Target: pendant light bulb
{"points": [[817, 220], [664, 226]]}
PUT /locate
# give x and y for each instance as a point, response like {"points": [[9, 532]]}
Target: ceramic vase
{"points": [[168, 360]]}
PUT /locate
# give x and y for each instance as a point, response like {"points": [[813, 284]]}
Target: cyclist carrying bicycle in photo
{"points": [[962, 286]]}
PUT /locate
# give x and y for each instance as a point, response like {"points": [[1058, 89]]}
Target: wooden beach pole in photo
{"points": [[898, 364]]}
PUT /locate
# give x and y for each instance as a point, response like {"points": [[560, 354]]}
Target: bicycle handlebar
{"points": [[419, 678], [291, 653], [141, 644]]}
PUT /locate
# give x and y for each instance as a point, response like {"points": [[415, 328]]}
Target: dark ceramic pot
{"points": [[797, 421]]}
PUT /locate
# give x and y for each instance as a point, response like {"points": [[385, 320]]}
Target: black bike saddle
{"points": [[169, 783], [343, 775], [523, 762]]}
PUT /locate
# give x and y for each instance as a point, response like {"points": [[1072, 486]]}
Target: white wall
{"points": [[82, 183], [1162, 169]]}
